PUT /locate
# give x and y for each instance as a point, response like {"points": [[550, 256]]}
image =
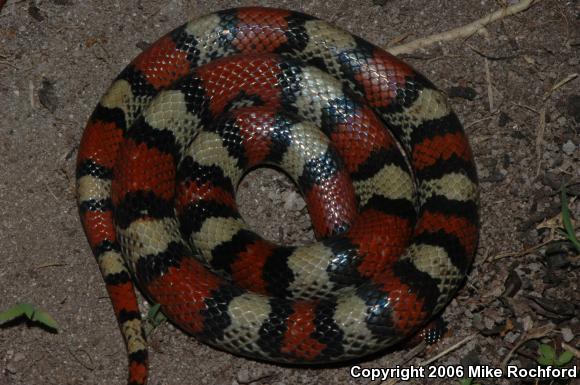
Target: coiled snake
{"points": [[163, 153]]}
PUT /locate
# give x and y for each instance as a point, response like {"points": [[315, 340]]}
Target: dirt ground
{"points": [[57, 57]]}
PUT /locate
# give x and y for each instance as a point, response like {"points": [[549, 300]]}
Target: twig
{"points": [[448, 350], [259, 379], [53, 264], [464, 31], [571, 349], [489, 56], [489, 85], [406, 358], [89, 366], [478, 121], [540, 138], [567, 79], [31, 93], [415, 351], [526, 107], [522, 252], [398, 39], [542, 120], [483, 260], [532, 334], [4, 62]]}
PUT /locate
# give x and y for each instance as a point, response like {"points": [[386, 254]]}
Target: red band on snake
{"points": [[165, 149]]}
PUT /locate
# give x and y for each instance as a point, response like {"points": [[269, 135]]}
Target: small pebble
{"points": [[243, 376], [468, 313], [569, 147], [494, 175], [488, 322], [567, 334], [511, 337], [10, 368], [19, 357], [292, 201], [273, 195], [527, 322]]}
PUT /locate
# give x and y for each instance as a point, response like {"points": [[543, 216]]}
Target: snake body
{"points": [[166, 147]]}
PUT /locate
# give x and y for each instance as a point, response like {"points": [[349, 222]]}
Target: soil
{"points": [[56, 59]]}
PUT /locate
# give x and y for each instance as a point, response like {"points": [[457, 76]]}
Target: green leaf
{"points": [[155, 317], [28, 309], [31, 312], [16, 311], [567, 221], [546, 352], [564, 358], [154, 310], [545, 361], [466, 381], [44, 318]]}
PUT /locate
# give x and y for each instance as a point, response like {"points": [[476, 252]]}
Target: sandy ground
{"points": [[57, 57]]}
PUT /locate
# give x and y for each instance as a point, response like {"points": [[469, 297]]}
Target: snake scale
{"points": [[375, 149]]}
